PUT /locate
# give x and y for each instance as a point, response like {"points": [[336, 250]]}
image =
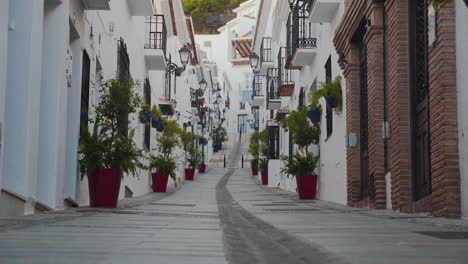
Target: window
{"points": [[147, 98], [123, 64], [85, 75], [273, 142], [329, 110]]}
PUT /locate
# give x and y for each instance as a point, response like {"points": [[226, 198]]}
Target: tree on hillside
{"points": [[209, 13]]}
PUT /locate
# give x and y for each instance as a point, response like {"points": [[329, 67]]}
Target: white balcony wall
{"points": [[462, 81]]}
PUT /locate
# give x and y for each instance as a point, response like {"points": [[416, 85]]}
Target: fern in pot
{"points": [[164, 165], [108, 152], [303, 164]]}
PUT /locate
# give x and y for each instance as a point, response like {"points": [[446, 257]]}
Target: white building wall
{"points": [[22, 107], [332, 172], [42, 81], [4, 10], [462, 80]]}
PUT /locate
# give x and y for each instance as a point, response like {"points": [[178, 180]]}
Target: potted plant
{"points": [[156, 118], [164, 164], [219, 137], [192, 156], [302, 165], [263, 166], [203, 141], [145, 114], [109, 151], [193, 103], [254, 152]]}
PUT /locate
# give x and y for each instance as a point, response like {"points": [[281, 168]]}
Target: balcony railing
{"points": [[284, 75], [299, 31], [258, 82], [157, 33], [272, 84], [266, 52]]}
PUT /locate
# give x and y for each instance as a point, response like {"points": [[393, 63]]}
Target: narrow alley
{"points": [[227, 216]]}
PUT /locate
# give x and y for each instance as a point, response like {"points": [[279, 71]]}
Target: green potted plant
{"points": [[254, 152], [219, 137], [302, 165], [263, 166], [164, 164], [203, 141], [145, 114], [263, 151], [156, 118], [331, 91], [192, 156], [109, 151]]}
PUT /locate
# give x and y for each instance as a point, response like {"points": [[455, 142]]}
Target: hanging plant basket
{"points": [[314, 115], [160, 128], [145, 116], [331, 101], [155, 123], [194, 104], [200, 92]]}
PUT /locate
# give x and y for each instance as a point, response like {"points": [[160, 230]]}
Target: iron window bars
{"points": [[284, 75], [272, 84], [266, 51], [157, 33], [147, 98], [257, 87]]}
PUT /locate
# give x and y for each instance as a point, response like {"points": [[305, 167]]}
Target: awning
{"points": [[243, 46]]}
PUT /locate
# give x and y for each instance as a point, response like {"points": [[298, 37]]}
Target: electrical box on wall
{"points": [[351, 140]]}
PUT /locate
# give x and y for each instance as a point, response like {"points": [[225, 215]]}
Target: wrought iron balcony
{"points": [[301, 45], [258, 95], [266, 56], [285, 81], [273, 100], [155, 44], [323, 10]]}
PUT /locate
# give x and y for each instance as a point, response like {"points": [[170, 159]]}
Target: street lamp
{"points": [[254, 59], [185, 55], [203, 84]]}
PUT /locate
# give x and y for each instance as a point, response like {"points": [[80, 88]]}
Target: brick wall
{"points": [[444, 120], [393, 71], [399, 101]]}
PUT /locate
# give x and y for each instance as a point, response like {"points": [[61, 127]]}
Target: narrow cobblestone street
{"points": [[225, 216]]}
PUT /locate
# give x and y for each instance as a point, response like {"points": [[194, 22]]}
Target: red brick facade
{"points": [[387, 40]]}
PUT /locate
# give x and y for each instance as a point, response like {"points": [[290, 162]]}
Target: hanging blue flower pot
{"points": [[331, 101], [160, 128], [314, 115], [144, 116], [155, 123]]}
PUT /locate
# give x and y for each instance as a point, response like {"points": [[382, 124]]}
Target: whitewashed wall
{"points": [[4, 10], [332, 172], [462, 81]]}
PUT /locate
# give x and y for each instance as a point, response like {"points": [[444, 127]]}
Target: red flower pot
{"points": [[307, 186], [265, 177], [189, 174], [104, 186], [160, 182], [202, 168], [254, 170]]}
